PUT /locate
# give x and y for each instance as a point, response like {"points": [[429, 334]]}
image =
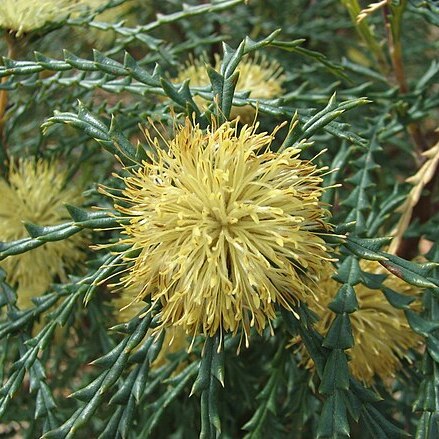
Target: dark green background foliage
{"points": [[344, 86]]}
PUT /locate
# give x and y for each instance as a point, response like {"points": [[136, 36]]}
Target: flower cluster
{"points": [[36, 192], [225, 229], [259, 76], [20, 16]]}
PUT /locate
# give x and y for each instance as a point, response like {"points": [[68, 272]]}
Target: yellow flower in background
{"points": [[381, 333], [259, 76], [175, 338], [126, 304], [20, 16], [225, 229], [123, 12], [36, 192]]}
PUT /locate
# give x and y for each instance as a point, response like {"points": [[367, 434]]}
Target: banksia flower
{"points": [[381, 333], [36, 193], [259, 76], [225, 229], [20, 16]]}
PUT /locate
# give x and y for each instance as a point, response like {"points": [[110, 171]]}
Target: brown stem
{"points": [[408, 247], [395, 51]]}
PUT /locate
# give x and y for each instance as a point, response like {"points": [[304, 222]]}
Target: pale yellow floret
{"points": [[381, 333], [259, 76], [36, 192], [21, 16], [226, 229]]}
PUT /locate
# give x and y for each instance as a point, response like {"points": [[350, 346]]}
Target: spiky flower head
{"points": [[36, 192], [259, 76], [225, 229], [381, 333], [21, 16]]}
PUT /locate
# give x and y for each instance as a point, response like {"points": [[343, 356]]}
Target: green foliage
{"points": [[360, 99]]}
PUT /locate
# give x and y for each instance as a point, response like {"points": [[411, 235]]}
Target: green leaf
{"points": [[428, 398], [349, 271], [412, 273], [397, 300], [419, 324], [339, 335], [333, 421], [336, 374], [428, 426], [208, 384], [433, 347], [367, 248], [267, 398], [379, 426], [345, 300], [108, 65]]}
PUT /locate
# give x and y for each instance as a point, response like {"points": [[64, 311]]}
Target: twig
{"points": [[422, 211]]}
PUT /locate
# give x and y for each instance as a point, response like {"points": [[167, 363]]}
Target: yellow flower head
{"points": [[35, 193], [381, 333], [22, 16], [259, 76], [225, 229]]}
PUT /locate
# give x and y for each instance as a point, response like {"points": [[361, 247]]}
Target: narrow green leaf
{"points": [[368, 248], [397, 300], [419, 324], [415, 274]]}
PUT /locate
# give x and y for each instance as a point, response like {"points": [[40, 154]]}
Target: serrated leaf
{"points": [[411, 272], [339, 335], [87, 393], [333, 421], [345, 300], [349, 271], [44, 402], [354, 405], [367, 248], [123, 393], [379, 426], [108, 65], [336, 373]]}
